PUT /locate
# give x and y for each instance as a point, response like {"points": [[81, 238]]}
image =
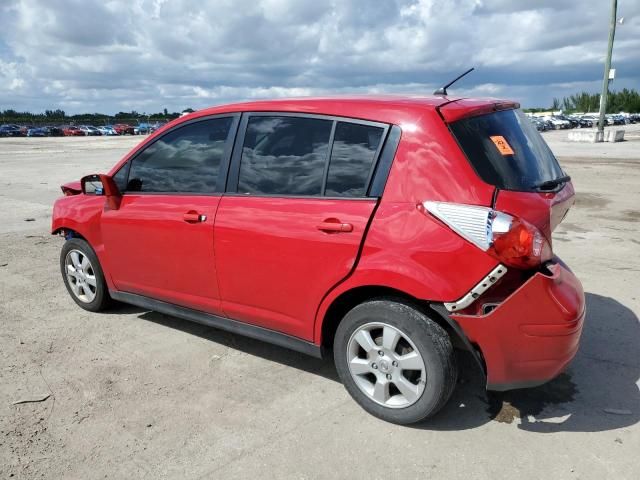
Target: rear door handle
{"points": [[335, 227], [194, 217]]}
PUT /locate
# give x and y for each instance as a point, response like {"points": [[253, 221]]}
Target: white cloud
{"points": [[111, 55]]}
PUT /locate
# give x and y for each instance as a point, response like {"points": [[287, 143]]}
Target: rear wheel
{"points": [[82, 275], [395, 361]]}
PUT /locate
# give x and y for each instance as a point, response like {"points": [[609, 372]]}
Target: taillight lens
{"points": [[521, 246], [513, 241]]}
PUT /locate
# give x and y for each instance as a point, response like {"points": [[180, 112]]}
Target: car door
{"points": [[290, 225], [159, 242]]}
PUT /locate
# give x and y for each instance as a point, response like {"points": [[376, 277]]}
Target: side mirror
{"points": [[100, 184], [91, 185]]}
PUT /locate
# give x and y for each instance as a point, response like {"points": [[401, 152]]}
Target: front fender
{"points": [[82, 214]]}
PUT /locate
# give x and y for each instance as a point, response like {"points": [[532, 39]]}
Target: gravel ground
{"points": [[136, 394]]}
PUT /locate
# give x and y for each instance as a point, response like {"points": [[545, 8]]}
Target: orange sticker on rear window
{"points": [[502, 145]]}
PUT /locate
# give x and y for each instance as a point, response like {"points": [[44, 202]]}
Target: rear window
{"points": [[506, 150]]}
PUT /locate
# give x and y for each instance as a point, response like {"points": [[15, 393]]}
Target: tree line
{"points": [[625, 100], [60, 117]]}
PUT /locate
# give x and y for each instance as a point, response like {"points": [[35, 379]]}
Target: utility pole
{"points": [[607, 67]]}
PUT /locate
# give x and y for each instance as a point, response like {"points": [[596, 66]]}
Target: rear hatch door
{"points": [[506, 151]]}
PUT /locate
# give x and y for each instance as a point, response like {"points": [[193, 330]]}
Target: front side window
{"points": [[120, 177], [185, 160], [284, 155], [354, 150]]}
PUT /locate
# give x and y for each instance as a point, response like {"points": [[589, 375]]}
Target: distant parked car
{"points": [[585, 122], [73, 131], [540, 125], [557, 123], [107, 130], [38, 132], [124, 129], [616, 119], [56, 131], [593, 119], [573, 122], [89, 130], [12, 130], [143, 129]]}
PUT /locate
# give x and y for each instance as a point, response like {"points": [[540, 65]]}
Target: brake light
{"points": [[522, 246], [513, 241]]}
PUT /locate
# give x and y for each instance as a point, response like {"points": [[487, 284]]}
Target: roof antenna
{"points": [[443, 90]]}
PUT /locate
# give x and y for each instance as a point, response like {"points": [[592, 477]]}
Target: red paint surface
{"points": [[274, 264], [151, 250]]}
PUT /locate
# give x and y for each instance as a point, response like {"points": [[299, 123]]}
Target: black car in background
{"points": [[56, 132], [585, 123], [573, 121]]}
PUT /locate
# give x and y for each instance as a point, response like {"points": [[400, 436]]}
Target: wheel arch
{"points": [[352, 297], [68, 233], [90, 233]]}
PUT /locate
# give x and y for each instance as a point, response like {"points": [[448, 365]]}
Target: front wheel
{"points": [[82, 275], [395, 361]]}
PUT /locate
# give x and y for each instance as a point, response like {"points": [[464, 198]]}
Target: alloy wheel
{"points": [[80, 276], [386, 365]]}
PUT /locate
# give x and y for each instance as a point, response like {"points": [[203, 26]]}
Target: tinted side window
{"points": [[185, 160], [121, 177], [284, 155], [352, 156]]}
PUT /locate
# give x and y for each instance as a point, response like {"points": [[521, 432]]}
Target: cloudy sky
{"points": [[113, 55]]}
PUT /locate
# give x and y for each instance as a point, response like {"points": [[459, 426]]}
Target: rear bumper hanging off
{"points": [[531, 336]]}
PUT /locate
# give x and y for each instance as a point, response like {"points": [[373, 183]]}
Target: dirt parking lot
{"points": [[136, 394]]}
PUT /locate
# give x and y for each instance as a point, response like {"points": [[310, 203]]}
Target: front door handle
{"points": [[194, 217], [335, 227]]}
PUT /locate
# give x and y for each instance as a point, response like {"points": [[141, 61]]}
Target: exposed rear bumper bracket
{"points": [[482, 286]]}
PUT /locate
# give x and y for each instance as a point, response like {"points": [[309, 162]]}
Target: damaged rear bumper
{"points": [[533, 334]]}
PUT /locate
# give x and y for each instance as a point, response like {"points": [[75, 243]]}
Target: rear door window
{"points": [[352, 159], [284, 155], [506, 150]]}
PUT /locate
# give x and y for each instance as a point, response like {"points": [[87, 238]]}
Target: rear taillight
{"points": [[511, 240], [521, 246]]}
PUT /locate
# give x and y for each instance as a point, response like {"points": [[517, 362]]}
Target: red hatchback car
{"points": [[386, 230]]}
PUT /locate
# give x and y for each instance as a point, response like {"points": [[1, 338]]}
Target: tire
{"points": [[407, 395], [85, 270]]}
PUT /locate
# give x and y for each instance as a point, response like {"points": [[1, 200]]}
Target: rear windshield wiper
{"points": [[551, 184]]}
